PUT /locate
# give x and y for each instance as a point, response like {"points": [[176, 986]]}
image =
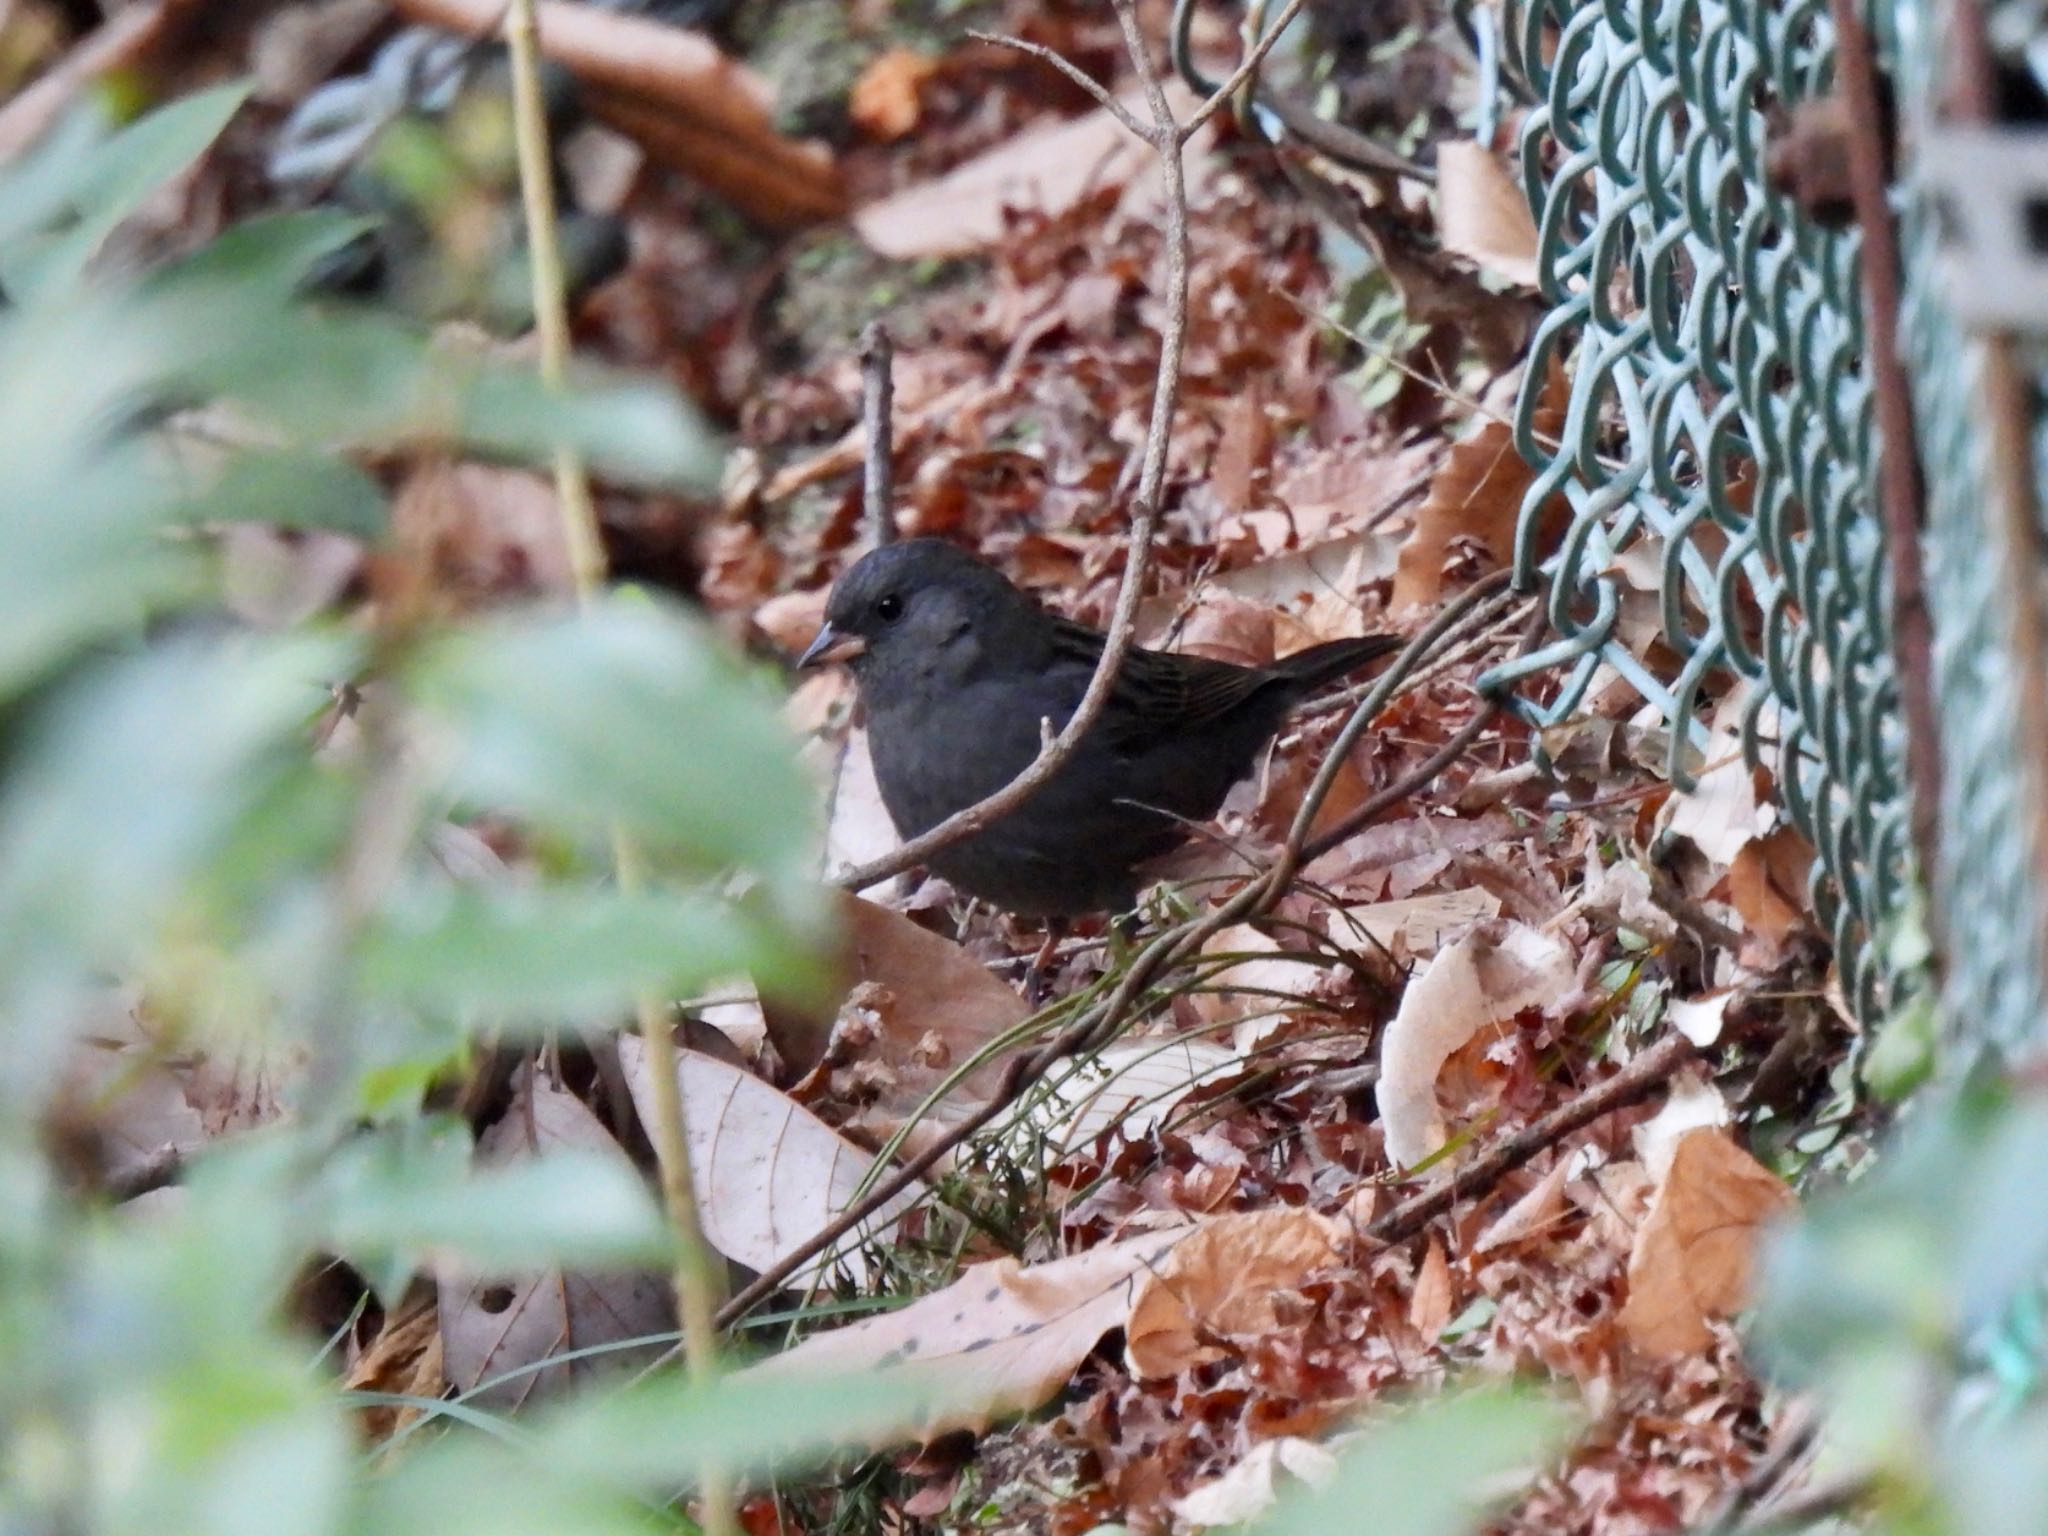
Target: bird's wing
{"points": [[1160, 690]]}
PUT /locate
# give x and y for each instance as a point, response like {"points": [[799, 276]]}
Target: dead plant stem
{"points": [[696, 1276]]}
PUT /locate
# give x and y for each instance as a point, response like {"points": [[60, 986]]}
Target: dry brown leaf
{"points": [[1481, 213], [1429, 1304], [1490, 975], [1475, 499], [1047, 168], [1767, 885], [1221, 1281], [675, 92], [1015, 1333], [487, 531], [403, 1360], [1695, 1250], [768, 1173], [886, 100], [925, 1006], [1530, 1215], [493, 1326]]}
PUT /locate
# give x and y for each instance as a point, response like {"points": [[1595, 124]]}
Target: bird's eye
{"points": [[889, 608]]}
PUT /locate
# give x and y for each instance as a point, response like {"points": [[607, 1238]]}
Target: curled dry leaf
{"points": [[1486, 977], [1014, 1333], [1723, 812], [1482, 215], [1221, 1281], [768, 1173], [404, 1360], [1249, 1489], [496, 1326], [1530, 1215], [1694, 1253], [886, 100]]}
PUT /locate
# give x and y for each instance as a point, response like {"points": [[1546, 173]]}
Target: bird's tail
{"points": [[1307, 670]]}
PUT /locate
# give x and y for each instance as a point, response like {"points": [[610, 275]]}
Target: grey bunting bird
{"points": [[957, 669]]}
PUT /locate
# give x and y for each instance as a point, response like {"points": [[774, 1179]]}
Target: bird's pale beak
{"points": [[830, 646]]}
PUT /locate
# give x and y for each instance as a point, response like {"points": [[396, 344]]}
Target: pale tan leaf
{"points": [[768, 1173], [1482, 979], [1414, 925], [859, 828], [791, 619], [1695, 1250], [1250, 1488], [1221, 1281], [1481, 213], [1132, 1084], [1010, 1335], [1723, 813], [1047, 168], [496, 1326], [1699, 1019], [1694, 1103], [1259, 989], [1530, 1215]]}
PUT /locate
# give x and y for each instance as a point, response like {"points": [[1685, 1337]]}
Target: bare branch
{"points": [[1242, 75], [878, 394], [1073, 72]]}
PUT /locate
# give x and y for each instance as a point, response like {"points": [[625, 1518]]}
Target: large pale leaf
{"points": [[768, 1173], [1011, 1335], [500, 1326]]}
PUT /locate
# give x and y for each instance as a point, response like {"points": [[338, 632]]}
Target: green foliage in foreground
{"points": [[165, 819]]}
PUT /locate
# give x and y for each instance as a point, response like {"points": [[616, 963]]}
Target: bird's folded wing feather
{"points": [[1157, 690]]}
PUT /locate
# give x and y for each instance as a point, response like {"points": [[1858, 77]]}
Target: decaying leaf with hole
{"points": [[496, 1328], [911, 1007], [1017, 1333], [768, 1173]]}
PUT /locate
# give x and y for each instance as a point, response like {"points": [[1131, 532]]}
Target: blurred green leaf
{"points": [[109, 183], [1430, 1471], [542, 953], [134, 777], [292, 488], [397, 1193], [630, 714]]}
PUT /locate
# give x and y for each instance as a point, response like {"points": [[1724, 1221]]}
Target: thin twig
{"points": [[1164, 137], [1072, 71], [696, 1276], [1242, 75], [877, 400], [1649, 1074]]}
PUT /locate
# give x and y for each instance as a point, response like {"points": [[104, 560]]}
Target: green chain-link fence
{"points": [[1719, 420]]}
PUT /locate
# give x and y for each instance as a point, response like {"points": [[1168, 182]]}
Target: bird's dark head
{"points": [[920, 604]]}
